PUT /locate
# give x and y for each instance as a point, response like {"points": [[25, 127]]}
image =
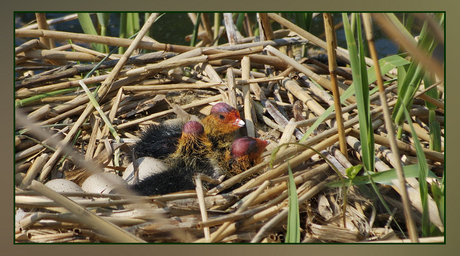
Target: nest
{"points": [[60, 132]]}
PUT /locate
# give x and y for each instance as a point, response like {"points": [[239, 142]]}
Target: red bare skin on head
{"points": [[193, 127], [247, 146], [193, 143], [245, 153], [223, 119]]}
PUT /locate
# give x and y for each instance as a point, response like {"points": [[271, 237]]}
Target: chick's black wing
{"points": [[158, 141]]}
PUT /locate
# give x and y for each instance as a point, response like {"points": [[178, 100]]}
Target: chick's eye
{"points": [[222, 117]]}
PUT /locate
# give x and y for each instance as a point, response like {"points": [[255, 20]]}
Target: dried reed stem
{"points": [[155, 115], [231, 87], [391, 134], [117, 234], [320, 80], [341, 53], [249, 120], [279, 170], [203, 211], [33, 171], [34, 43], [60, 55], [331, 52]]}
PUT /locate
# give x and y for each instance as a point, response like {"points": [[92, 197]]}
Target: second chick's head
{"points": [[193, 127], [245, 153], [193, 140], [223, 119], [249, 147]]}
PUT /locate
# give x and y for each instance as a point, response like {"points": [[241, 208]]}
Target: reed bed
{"points": [[339, 168]]}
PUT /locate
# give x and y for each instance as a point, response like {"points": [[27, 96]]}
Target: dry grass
{"points": [[145, 90]]}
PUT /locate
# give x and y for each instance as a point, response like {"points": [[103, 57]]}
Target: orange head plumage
{"points": [[223, 119], [193, 145]]}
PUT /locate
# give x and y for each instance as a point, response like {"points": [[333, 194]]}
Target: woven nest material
{"points": [[278, 103]]}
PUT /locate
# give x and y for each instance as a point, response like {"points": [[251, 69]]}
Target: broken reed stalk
{"points": [[33, 171], [203, 210], [231, 87], [265, 28], [41, 21], [246, 66], [391, 134], [331, 52], [34, 43]]}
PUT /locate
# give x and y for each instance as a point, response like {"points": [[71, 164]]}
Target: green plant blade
{"points": [[423, 165], [293, 221], [386, 64], [438, 196], [361, 86], [410, 171], [195, 29], [88, 27], [103, 19], [415, 72]]}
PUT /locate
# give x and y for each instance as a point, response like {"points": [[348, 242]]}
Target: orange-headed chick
{"points": [[190, 158], [245, 153], [220, 126]]}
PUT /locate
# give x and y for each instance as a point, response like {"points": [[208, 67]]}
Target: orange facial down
{"points": [[222, 120]]}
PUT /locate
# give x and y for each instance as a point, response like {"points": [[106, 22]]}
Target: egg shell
{"points": [[103, 183], [147, 166], [63, 185]]}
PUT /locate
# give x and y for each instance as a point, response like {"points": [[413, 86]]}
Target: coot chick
{"points": [[158, 140], [190, 158], [161, 140], [245, 153], [220, 127]]}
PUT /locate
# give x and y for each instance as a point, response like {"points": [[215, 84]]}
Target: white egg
{"points": [[103, 183], [147, 167], [63, 185]]}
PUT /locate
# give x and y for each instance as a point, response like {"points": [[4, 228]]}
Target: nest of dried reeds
{"points": [[59, 131]]}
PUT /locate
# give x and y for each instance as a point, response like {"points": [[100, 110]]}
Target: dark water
{"points": [[173, 27]]}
